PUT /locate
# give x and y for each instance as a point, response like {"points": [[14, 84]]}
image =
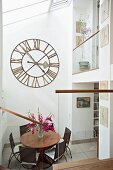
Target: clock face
{"points": [[34, 63]]}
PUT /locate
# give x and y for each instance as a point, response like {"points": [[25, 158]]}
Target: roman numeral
{"points": [[16, 60], [36, 44], [20, 52], [45, 80], [25, 46], [18, 70], [49, 51], [19, 73], [51, 74], [52, 55], [27, 77], [35, 82], [24, 78], [54, 65], [46, 47]]}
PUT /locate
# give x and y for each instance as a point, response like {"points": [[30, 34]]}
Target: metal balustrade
{"points": [[86, 54]]}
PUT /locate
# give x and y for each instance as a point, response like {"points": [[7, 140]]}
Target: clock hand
{"points": [[30, 68], [33, 58], [30, 55], [42, 57], [38, 64], [27, 70], [32, 62], [27, 53], [45, 64], [45, 55], [40, 68]]}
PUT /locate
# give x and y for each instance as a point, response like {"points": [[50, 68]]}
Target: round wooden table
{"points": [[33, 141], [41, 144]]}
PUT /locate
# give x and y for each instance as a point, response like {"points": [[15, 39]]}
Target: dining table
{"points": [[32, 140]]}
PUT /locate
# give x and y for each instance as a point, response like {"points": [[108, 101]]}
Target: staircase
{"points": [[88, 164]]}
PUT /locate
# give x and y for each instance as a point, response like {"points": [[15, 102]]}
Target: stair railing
{"points": [[86, 40], [19, 115]]}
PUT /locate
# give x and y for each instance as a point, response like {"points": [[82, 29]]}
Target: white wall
{"points": [[0, 76], [111, 83], [53, 28], [0, 51], [3, 118], [111, 121], [82, 118], [104, 67]]}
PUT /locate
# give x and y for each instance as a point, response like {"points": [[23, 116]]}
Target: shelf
{"points": [[96, 126], [95, 118], [96, 110]]}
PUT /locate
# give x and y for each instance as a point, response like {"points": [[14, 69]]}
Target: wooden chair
{"points": [[14, 150], [66, 138], [23, 129], [58, 153], [28, 157]]}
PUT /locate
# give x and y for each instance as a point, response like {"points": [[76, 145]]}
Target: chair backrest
{"points": [[59, 150], [11, 140], [23, 129], [67, 135], [27, 155]]}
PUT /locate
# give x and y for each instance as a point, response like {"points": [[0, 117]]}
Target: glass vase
{"points": [[40, 132]]}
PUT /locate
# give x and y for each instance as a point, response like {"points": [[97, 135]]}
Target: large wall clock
{"points": [[34, 63]]}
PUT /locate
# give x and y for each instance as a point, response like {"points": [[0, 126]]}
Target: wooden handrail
{"points": [[84, 91], [86, 39], [19, 115], [57, 91]]}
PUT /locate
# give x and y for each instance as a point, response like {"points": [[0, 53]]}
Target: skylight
{"points": [[60, 3], [17, 10]]}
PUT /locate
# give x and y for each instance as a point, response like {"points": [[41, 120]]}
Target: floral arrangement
{"points": [[46, 123], [85, 29]]}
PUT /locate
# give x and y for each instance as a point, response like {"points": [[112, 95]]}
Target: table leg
{"points": [[43, 161]]}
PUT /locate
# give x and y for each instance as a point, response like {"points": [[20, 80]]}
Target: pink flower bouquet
{"points": [[46, 124]]}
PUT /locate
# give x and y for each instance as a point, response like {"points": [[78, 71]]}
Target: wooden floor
{"points": [[88, 164]]}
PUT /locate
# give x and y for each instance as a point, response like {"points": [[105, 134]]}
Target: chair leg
{"points": [[69, 152], [65, 158], [10, 158]]}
